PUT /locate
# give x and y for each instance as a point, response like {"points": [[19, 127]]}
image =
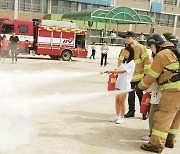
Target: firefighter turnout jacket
{"points": [[142, 60], [164, 59]]}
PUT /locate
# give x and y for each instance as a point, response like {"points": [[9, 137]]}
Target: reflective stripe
{"points": [[172, 66], [173, 85], [144, 84], [144, 55], [121, 58], [138, 76], [153, 74], [159, 133], [147, 67], [138, 61], [173, 131]]}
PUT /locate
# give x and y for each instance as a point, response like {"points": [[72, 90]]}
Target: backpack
{"points": [[176, 51]]}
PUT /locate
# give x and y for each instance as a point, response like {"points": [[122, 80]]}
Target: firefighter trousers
{"points": [[153, 109], [131, 97], [166, 119]]}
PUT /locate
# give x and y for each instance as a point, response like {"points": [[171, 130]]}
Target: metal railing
{"points": [[119, 41]]}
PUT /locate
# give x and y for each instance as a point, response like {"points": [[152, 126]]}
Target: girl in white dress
{"points": [[125, 74]]}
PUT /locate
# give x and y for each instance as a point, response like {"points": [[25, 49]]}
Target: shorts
{"points": [[3, 53]]}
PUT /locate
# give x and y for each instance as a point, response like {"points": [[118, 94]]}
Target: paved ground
{"points": [[83, 127]]}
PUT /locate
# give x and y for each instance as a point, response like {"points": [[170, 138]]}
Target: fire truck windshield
{"points": [[7, 29]]}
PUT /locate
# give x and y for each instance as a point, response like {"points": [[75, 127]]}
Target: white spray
{"points": [[17, 106]]}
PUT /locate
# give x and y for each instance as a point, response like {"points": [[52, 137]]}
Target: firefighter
{"points": [[142, 61], [172, 38], [165, 68]]}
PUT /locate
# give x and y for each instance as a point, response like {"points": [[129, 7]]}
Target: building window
{"points": [[178, 22], [39, 6], [74, 6], [61, 7], [161, 19], [67, 6], [165, 20], [7, 4], [171, 2], [83, 6]]}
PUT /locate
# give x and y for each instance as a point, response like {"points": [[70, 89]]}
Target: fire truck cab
{"points": [[22, 28]]}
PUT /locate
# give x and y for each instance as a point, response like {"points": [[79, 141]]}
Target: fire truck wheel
{"points": [[66, 55]]}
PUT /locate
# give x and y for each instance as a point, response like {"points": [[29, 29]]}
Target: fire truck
{"points": [[46, 37]]}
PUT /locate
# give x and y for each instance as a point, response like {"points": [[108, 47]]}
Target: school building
{"points": [[165, 13]]}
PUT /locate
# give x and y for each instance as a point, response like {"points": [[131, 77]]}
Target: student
{"points": [[142, 61], [125, 74], [4, 48], [104, 50], [93, 51]]}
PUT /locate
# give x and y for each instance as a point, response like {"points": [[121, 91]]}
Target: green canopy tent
{"points": [[114, 15]]}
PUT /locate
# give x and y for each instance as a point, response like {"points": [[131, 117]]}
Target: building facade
{"points": [[166, 21]]}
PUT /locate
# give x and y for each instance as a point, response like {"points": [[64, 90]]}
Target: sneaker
{"points": [[120, 120], [115, 118], [146, 138], [12, 62], [144, 116]]}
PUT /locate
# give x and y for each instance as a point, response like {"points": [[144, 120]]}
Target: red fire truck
{"points": [[54, 38]]}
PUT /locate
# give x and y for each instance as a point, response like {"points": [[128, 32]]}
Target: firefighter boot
{"points": [[169, 144], [149, 147], [129, 114], [170, 141]]}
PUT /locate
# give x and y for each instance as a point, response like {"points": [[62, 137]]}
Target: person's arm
{"points": [[121, 58], [107, 48], [152, 74], [146, 60]]}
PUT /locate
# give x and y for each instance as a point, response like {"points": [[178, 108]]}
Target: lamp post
{"points": [[16, 9]]}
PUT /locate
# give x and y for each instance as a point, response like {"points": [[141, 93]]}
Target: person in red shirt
{"points": [[4, 48]]}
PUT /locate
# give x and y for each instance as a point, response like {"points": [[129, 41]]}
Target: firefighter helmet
{"points": [[174, 39], [156, 39]]}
